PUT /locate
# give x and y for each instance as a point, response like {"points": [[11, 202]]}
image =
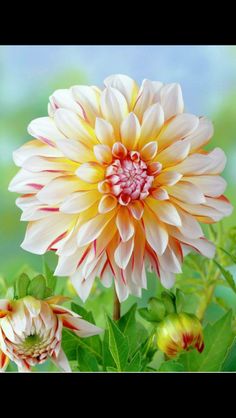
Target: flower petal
{"points": [[130, 131], [45, 129], [152, 122], [186, 192], [201, 136], [107, 203], [177, 128], [4, 360], [33, 148], [114, 108], [91, 172], [74, 127], [221, 204], [79, 201], [75, 150], [171, 99], [104, 132], [169, 262], [124, 224], [212, 186], [189, 226], [91, 230], [41, 234], [123, 253], [136, 208], [195, 164], [173, 154], [103, 153], [58, 189], [149, 151], [38, 164], [165, 211], [147, 95], [159, 194], [62, 98], [80, 327], [156, 234], [167, 178], [61, 361], [26, 182], [88, 98], [126, 85]]}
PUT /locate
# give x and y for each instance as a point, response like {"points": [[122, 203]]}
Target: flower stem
{"points": [[116, 307]]}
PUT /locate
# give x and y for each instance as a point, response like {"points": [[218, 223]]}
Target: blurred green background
{"points": [[28, 75]]}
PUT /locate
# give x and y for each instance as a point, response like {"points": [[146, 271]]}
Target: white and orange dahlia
{"points": [[117, 180], [31, 331]]}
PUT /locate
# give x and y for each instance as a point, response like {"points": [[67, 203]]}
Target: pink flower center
{"points": [[128, 178]]}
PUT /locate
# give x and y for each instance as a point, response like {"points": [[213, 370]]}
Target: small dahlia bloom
{"points": [[179, 332], [31, 331], [116, 180]]}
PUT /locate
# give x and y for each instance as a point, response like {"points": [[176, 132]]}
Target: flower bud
{"points": [[31, 331], [178, 332]]}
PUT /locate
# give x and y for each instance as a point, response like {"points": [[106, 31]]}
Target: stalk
{"points": [[116, 307]]}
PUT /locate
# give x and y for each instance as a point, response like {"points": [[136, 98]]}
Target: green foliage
{"points": [[37, 287], [171, 366], [217, 339], [229, 364], [21, 286], [227, 275], [118, 345]]}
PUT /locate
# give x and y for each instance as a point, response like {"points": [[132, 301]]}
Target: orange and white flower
{"points": [[117, 179], [31, 331]]}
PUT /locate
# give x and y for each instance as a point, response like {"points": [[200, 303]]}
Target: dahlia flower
{"points": [[116, 180], [31, 331], [179, 332]]}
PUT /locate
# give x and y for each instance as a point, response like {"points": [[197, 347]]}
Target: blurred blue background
{"points": [[29, 74]]}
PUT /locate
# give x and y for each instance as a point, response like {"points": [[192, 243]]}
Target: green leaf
{"points": [[79, 310], [37, 287], [127, 325], [21, 286], [118, 345], [50, 278], [233, 258], [108, 360], [86, 361], [157, 308], [135, 364], [10, 293], [48, 292], [111, 369], [146, 314], [169, 302], [171, 366], [70, 344], [217, 339], [93, 344], [227, 275], [179, 300], [229, 364]]}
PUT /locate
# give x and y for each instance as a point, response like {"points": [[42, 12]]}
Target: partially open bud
{"points": [[31, 331], [178, 332]]}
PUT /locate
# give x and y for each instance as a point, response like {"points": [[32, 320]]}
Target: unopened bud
{"points": [[179, 332]]}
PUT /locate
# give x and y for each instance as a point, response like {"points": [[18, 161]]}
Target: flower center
{"points": [[32, 340], [129, 178]]}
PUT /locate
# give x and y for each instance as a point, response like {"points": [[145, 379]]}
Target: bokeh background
{"points": [[29, 74]]}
